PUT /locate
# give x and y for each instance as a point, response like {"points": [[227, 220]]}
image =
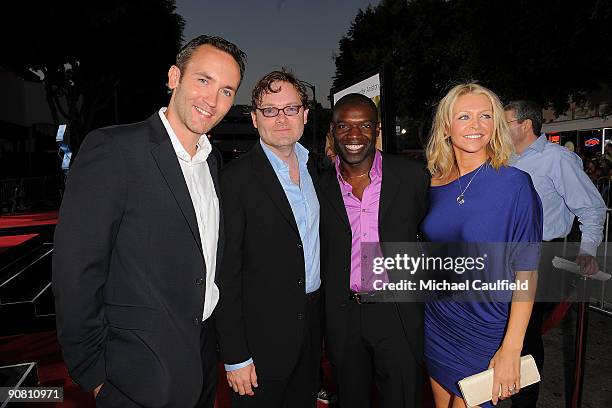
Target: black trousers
{"points": [[549, 281], [210, 360], [299, 389], [377, 349]]}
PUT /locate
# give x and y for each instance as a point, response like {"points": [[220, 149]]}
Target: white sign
{"points": [[369, 87]]}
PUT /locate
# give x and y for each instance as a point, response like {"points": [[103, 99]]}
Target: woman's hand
{"points": [[506, 364]]}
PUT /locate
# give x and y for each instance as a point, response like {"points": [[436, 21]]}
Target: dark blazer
{"points": [[261, 310], [403, 204], [128, 270]]}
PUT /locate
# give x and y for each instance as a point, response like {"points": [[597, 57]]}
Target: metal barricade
{"points": [[602, 304]]}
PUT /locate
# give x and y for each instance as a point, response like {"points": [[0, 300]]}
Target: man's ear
{"points": [[174, 77], [254, 119], [305, 115], [528, 126]]}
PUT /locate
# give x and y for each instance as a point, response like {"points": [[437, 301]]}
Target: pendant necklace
{"points": [[461, 197]]}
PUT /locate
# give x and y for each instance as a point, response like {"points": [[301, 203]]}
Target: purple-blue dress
{"points": [[500, 206]]}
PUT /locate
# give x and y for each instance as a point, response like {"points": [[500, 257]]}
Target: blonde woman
{"points": [[476, 198]]}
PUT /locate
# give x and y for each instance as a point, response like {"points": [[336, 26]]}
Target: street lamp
{"points": [[314, 114]]}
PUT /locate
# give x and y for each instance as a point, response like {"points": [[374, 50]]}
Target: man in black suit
{"points": [[137, 242], [368, 197], [268, 318]]}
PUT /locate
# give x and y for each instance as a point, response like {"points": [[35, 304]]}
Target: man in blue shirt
{"points": [[268, 317], [566, 192]]}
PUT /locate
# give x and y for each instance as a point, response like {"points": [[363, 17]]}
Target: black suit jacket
{"points": [[128, 269], [261, 310], [403, 203]]}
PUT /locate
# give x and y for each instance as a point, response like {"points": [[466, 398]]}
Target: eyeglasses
{"points": [[270, 112]]}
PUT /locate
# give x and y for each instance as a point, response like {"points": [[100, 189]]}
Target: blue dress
{"points": [[501, 206]]}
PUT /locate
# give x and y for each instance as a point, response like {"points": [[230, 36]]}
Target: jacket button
{"points": [[300, 316], [300, 246], [196, 321], [199, 281], [300, 281]]}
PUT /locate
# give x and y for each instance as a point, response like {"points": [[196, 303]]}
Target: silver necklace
{"points": [[461, 197]]}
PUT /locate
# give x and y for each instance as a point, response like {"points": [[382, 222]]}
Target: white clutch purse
{"points": [[476, 389]]}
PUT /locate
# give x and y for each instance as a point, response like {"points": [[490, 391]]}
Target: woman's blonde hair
{"points": [[439, 151]]}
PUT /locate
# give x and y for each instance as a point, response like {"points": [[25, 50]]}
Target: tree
{"points": [[547, 51], [100, 62]]}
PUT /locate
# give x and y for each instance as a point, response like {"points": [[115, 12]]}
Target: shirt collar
{"points": [[277, 164], [203, 147], [375, 170], [539, 144]]}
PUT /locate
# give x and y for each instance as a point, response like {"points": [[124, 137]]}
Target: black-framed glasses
{"points": [[270, 111]]}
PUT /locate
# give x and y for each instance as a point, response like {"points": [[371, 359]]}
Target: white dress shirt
{"points": [[205, 203]]}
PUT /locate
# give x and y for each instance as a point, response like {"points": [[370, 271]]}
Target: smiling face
{"points": [[471, 125], [354, 129], [203, 93], [280, 132]]}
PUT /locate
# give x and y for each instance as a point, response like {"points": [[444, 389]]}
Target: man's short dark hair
{"points": [[264, 86], [355, 99], [185, 53], [527, 110]]}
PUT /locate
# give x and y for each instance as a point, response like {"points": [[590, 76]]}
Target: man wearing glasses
{"points": [[268, 317], [566, 192]]}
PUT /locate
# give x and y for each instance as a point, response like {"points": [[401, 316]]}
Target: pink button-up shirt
{"points": [[363, 217]]}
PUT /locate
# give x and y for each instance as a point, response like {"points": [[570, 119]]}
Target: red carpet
{"points": [[555, 317], [28, 219], [43, 348], [9, 241]]}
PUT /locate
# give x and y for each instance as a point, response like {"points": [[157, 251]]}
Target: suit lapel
{"points": [[271, 185], [213, 167], [164, 155], [312, 170], [331, 190], [388, 191]]}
